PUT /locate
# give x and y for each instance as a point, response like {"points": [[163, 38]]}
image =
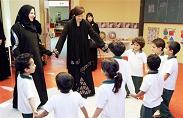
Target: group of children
{"points": [[153, 77]]}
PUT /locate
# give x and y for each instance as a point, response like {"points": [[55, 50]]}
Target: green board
{"points": [[163, 11]]}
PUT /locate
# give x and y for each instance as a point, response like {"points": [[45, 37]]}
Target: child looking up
{"points": [[28, 99], [170, 73]]}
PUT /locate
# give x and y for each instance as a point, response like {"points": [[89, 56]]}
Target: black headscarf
{"points": [[90, 14], [23, 17]]}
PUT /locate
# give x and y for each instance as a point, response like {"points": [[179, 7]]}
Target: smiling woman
{"points": [[24, 39]]}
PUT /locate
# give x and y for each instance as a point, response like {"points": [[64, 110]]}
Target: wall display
{"points": [[181, 35], [112, 35], [169, 34], [152, 33], [110, 31]]}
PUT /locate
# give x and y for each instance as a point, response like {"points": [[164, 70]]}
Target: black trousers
{"points": [[27, 115], [146, 112], [164, 107]]}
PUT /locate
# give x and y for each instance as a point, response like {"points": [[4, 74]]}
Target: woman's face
{"points": [[31, 15], [89, 18], [79, 18]]}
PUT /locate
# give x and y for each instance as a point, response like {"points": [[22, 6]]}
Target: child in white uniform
{"points": [[117, 48], [28, 99], [158, 46], [67, 103], [151, 88], [110, 99], [170, 72], [137, 60]]}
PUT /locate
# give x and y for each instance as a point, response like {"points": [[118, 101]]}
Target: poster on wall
{"points": [[121, 31], [169, 34], [181, 35], [152, 33]]}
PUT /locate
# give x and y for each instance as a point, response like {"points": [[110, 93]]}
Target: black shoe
{"points": [[15, 107]]}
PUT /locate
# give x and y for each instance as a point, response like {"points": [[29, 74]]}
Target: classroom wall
{"points": [[113, 10], [176, 28], [15, 5], [128, 11]]}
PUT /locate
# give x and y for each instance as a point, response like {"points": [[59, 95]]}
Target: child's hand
{"points": [[35, 114], [133, 95]]}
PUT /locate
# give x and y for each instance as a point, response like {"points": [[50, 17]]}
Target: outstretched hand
{"points": [[55, 53], [105, 48]]}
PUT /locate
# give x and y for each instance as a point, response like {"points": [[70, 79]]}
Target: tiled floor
{"points": [[132, 110]]}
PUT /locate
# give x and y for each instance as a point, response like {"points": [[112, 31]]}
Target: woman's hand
{"points": [[55, 53], [105, 48], [1, 41]]}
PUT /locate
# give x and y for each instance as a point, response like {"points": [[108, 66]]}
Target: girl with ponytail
{"points": [[111, 94]]}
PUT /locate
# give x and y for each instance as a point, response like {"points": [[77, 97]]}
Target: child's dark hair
{"points": [[140, 41], [175, 46], [22, 62], [110, 68], [64, 82], [159, 42], [153, 62], [117, 48]]}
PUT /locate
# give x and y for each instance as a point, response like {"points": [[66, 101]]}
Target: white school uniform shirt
{"points": [[113, 104], [171, 67], [26, 89], [124, 69], [163, 60], [65, 105], [136, 61], [152, 85]]}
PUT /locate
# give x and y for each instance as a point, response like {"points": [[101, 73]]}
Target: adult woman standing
{"points": [[93, 48], [4, 63], [78, 52], [24, 40]]}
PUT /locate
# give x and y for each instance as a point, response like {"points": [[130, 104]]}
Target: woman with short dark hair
{"points": [[78, 52]]}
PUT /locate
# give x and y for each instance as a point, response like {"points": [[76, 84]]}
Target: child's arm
{"points": [[97, 112], [166, 76], [145, 68], [43, 114], [33, 106], [83, 109], [139, 94]]}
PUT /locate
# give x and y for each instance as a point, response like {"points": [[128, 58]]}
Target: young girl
{"points": [[137, 60], [111, 95]]}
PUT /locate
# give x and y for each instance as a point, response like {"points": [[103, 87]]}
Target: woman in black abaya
{"points": [[24, 39], [76, 31], [4, 62]]}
